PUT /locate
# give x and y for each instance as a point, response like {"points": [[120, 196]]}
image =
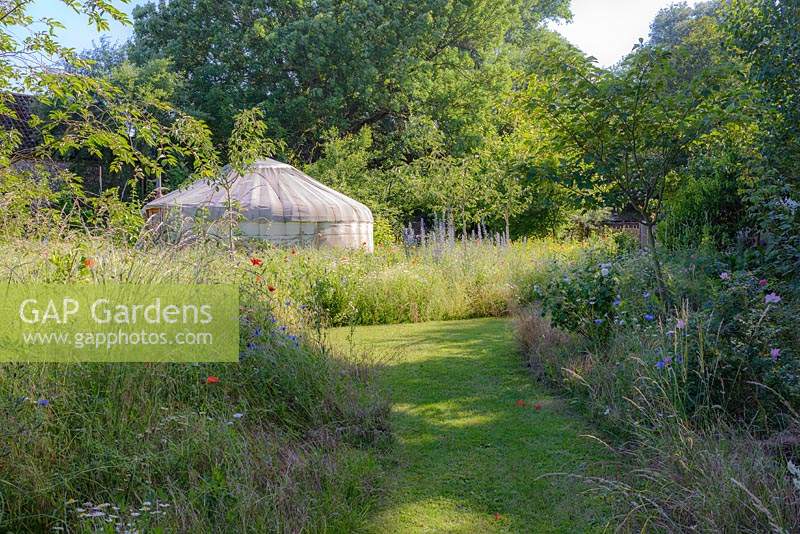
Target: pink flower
{"points": [[772, 298], [763, 282], [725, 276], [681, 324], [775, 354]]}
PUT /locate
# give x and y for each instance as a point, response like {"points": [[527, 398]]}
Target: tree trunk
{"points": [[464, 228], [662, 288], [508, 228], [230, 220]]}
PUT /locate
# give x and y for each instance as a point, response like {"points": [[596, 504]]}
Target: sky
{"points": [[605, 29], [608, 29]]}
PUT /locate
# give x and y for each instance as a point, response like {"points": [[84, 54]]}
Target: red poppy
{"points": [[520, 403], [537, 406], [271, 288], [257, 262], [212, 379], [89, 263], [497, 516]]}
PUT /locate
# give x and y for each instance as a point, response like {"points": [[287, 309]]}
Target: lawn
{"points": [[475, 438]]}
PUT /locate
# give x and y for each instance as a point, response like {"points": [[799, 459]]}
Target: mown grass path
{"points": [[467, 450]]}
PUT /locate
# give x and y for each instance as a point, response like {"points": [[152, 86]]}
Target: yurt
{"points": [[278, 203]]}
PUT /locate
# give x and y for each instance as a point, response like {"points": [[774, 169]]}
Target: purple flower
{"points": [[646, 294], [617, 302], [43, 402], [660, 364], [772, 298], [775, 354], [725, 276], [598, 321], [681, 324], [649, 317]]}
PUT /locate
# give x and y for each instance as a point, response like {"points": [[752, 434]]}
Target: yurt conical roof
{"points": [[273, 191], [278, 203]]}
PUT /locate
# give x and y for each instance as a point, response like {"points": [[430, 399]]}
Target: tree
{"points": [[503, 168], [674, 25], [630, 130], [137, 134], [767, 34], [248, 143], [341, 64]]}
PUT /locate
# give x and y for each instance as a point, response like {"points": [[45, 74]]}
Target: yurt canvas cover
{"points": [[279, 204]]}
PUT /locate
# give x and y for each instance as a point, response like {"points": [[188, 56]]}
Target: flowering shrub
{"points": [[756, 360], [583, 301]]}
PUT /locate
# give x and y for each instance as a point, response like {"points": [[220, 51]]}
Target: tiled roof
{"points": [[23, 106]]}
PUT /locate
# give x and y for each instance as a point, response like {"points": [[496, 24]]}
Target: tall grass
{"points": [[287, 440], [393, 285]]}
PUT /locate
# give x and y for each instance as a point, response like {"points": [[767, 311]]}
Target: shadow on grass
{"points": [[471, 443]]}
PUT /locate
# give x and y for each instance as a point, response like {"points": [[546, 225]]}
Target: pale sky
{"points": [[608, 29], [605, 29]]}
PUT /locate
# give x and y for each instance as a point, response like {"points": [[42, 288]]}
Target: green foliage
{"points": [[778, 224], [342, 64], [587, 222], [751, 326], [382, 232], [583, 300], [767, 33], [628, 130], [658, 394], [396, 286], [712, 197], [42, 204], [719, 343]]}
